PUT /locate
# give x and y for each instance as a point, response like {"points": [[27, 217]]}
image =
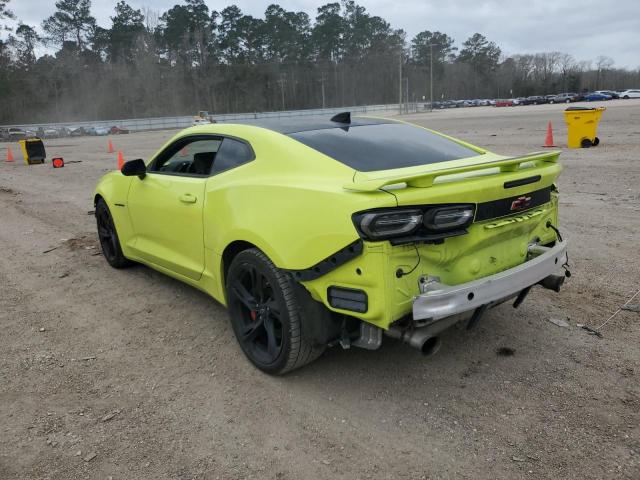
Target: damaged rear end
{"points": [[465, 234]]}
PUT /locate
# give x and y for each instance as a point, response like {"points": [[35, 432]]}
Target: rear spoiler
{"points": [[426, 179]]}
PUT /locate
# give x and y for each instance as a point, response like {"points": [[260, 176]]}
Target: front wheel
{"points": [[266, 315], [109, 241]]}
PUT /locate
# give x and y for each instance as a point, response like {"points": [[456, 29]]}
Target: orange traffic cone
{"points": [[120, 160], [9, 155], [109, 147], [549, 140]]}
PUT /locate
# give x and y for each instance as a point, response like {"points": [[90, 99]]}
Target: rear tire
{"points": [[266, 315], [108, 236], [596, 142]]}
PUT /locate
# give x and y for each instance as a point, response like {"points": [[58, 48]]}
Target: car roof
{"points": [[296, 124]]}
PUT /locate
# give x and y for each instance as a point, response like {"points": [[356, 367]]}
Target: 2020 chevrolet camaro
{"points": [[336, 231]]}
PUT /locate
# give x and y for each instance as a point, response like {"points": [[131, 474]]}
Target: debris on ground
{"points": [[589, 329], [518, 459], [505, 352], [90, 457], [560, 322], [109, 416], [632, 307]]}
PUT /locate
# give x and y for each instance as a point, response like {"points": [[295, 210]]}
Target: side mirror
{"points": [[134, 168]]}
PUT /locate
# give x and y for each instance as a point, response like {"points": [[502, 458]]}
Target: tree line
{"points": [[191, 58]]}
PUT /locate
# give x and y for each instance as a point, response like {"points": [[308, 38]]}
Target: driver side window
{"points": [[189, 158]]}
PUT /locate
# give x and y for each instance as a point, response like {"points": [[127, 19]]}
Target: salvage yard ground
{"points": [[132, 375]]}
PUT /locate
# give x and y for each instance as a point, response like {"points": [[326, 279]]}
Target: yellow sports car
{"points": [[334, 231]]}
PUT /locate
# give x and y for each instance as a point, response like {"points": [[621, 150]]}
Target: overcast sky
{"points": [[583, 28]]}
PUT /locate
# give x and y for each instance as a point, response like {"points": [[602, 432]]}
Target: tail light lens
{"points": [[392, 223], [448, 218], [427, 223]]}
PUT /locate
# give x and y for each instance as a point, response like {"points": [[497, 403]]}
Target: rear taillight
{"points": [[424, 223], [446, 218], [392, 223]]}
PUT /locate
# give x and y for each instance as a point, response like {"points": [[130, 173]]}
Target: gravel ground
{"points": [[130, 374]]}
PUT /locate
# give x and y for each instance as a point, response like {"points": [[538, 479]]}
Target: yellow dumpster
{"points": [[582, 126]]}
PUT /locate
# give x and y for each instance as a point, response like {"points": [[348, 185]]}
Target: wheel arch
{"points": [[229, 253]]}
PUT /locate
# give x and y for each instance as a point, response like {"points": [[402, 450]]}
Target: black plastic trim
{"points": [[522, 181], [332, 262], [504, 206], [433, 238]]}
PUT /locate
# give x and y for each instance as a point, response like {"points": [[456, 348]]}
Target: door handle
{"points": [[188, 198]]}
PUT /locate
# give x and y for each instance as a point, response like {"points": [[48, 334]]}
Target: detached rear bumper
{"points": [[439, 301]]}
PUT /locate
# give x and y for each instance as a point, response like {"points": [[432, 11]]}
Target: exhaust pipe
{"points": [[420, 338], [552, 282], [426, 338]]}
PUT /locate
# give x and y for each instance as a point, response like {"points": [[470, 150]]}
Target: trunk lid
{"points": [[515, 197]]}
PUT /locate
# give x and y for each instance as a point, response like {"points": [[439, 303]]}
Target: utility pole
{"points": [[281, 81], [406, 95], [322, 83], [431, 76], [400, 81]]}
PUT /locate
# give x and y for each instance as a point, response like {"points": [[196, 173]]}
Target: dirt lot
{"points": [[132, 375]]}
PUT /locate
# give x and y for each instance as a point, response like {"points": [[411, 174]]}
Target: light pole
{"points": [[282, 80], [400, 81], [322, 86], [431, 76]]}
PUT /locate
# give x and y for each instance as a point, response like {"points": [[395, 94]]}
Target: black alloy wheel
{"points": [[266, 316], [259, 312], [108, 236]]}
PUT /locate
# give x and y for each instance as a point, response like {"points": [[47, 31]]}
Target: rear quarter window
{"points": [[232, 153], [387, 146]]}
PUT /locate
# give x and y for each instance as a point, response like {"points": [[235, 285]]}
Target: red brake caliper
{"points": [[254, 315]]}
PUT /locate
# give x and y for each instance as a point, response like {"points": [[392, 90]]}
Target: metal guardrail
{"points": [[161, 123]]}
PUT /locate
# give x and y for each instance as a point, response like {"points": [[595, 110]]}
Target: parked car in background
{"points": [[102, 130], [631, 93], [595, 97], [14, 134], [522, 101], [537, 99], [63, 132], [503, 103], [611, 93], [200, 121], [115, 130], [50, 133], [564, 98], [77, 131]]}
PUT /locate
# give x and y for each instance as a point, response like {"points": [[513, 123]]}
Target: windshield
{"points": [[386, 146]]}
